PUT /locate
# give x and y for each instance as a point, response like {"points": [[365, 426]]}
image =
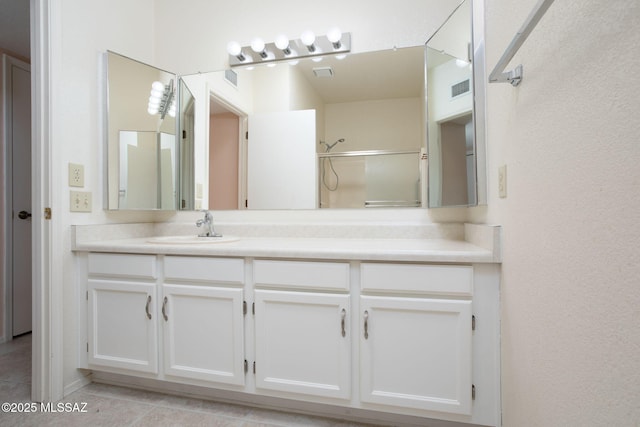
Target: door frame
{"points": [[47, 336], [7, 278]]}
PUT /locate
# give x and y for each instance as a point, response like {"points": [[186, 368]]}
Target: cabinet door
{"points": [[302, 343], [416, 353], [203, 333], [122, 325]]}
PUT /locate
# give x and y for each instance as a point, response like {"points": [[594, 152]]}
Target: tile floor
{"points": [[117, 406]]}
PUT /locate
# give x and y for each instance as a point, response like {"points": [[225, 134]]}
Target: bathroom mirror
{"points": [[367, 138], [142, 157], [340, 133], [455, 106]]}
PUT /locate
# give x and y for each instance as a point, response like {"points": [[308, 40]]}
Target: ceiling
{"points": [[385, 74]]}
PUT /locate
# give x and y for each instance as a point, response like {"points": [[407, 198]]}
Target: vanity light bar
{"points": [[308, 45]]}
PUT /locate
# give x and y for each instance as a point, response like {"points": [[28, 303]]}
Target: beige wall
{"points": [[569, 135]]}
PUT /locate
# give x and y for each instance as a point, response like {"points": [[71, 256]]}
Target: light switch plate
{"points": [[80, 201], [76, 175], [502, 181]]}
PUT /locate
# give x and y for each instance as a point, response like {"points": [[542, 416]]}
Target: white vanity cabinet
{"points": [[202, 319], [382, 339], [302, 333], [121, 309], [194, 304], [416, 336]]}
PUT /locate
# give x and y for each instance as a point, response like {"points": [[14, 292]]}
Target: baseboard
{"points": [[77, 385], [274, 403]]}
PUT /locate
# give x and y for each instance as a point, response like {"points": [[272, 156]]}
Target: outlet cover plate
{"points": [[76, 175]]}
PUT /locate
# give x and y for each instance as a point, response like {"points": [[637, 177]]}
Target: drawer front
{"points": [[201, 269], [301, 274], [122, 265], [418, 278]]}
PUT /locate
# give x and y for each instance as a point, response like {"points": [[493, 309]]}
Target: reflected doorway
{"points": [[227, 156]]}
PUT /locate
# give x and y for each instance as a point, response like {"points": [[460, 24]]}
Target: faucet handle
{"points": [[207, 215]]}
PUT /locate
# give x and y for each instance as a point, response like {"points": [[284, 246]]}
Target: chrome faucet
{"points": [[207, 221]]}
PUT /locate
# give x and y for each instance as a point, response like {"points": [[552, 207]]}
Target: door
{"points": [[122, 330], [416, 353], [282, 165], [19, 140], [303, 343], [203, 333]]}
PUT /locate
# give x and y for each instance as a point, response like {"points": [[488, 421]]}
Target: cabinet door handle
{"points": [[146, 308], [343, 315], [366, 324], [164, 309]]}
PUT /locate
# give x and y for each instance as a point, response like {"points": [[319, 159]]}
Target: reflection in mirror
{"points": [[186, 136], [147, 170], [453, 134], [373, 103], [141, 143]]}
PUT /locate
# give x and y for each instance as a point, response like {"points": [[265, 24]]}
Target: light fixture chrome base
{"points": [[297, 50]]}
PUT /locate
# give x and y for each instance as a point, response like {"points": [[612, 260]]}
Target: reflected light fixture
{"points": [[162, 99], [308, 45]]}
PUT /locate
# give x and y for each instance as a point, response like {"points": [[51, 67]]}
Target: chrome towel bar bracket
{"points": [[498, 75]]}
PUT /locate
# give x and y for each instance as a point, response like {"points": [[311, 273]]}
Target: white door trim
{"points": [[47, 363]]}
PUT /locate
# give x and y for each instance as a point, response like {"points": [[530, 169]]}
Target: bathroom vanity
{"points": [[384, 329]]}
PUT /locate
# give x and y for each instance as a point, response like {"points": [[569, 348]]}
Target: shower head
{"points": [[330, 146]]}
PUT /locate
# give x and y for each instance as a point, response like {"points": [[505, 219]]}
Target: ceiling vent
{"points": [[461, 88], [323, 72]]}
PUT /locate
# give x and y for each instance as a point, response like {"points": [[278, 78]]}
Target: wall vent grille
{"points": [[231, 76], [460, 88]]}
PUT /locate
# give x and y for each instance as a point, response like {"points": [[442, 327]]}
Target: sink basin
{"points": [[191, 240]]}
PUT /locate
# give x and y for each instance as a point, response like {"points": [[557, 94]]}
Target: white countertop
{"points": [[373, 249]]}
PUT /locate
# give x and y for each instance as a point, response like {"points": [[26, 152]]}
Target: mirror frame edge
{"points": [[479, 100]]}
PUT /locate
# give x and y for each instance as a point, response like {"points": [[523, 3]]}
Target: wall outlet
{"points": [[502, 181], [76, 175], [80, 201]]}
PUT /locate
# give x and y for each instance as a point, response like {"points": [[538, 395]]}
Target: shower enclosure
{"points": [[370, 179]]}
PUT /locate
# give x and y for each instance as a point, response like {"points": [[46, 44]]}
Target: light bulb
{"points": [[154, 101], [157, 93], [234, 49], [334, 35], [257, 45], [282, 43], [307, 39], [152, 111], [157, 86]]}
